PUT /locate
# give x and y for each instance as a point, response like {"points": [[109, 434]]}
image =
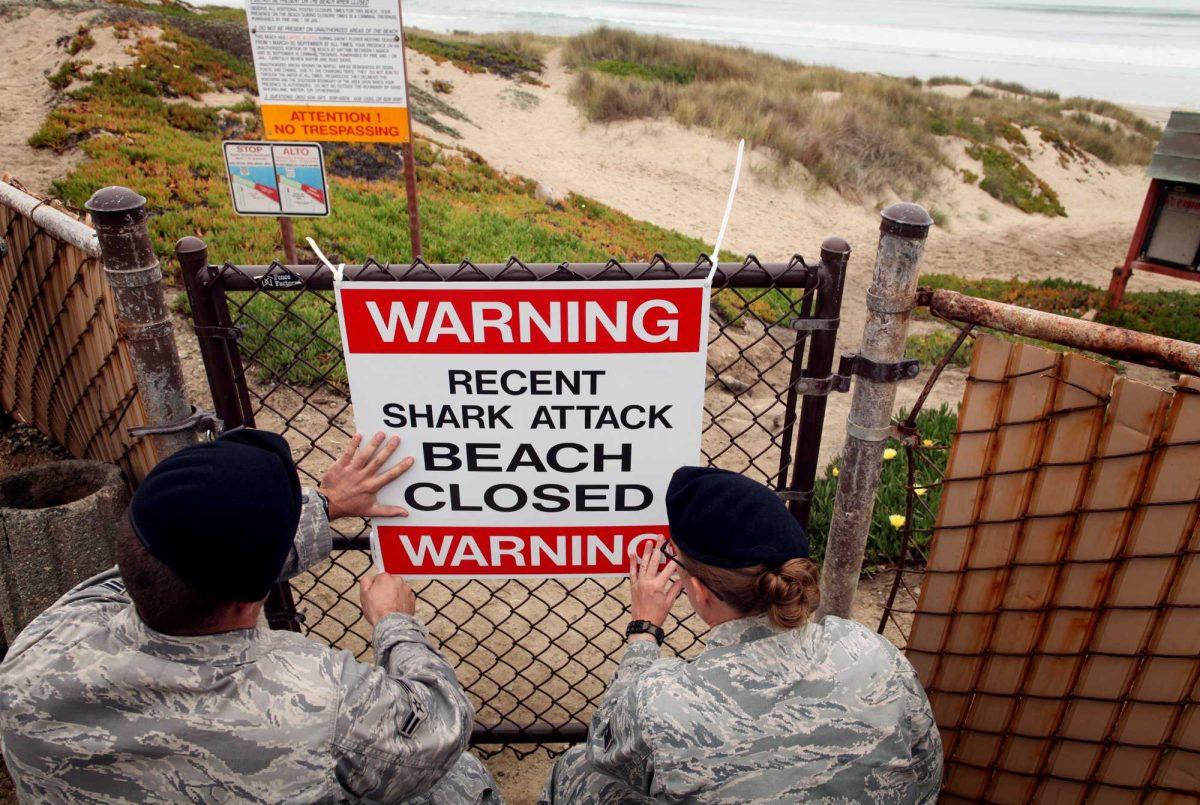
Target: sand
{"points": [[678, 177], [25, 96]]}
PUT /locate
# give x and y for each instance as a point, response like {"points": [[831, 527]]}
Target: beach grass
{"points": [[503, 55], [1008, 179], [859, 133]]}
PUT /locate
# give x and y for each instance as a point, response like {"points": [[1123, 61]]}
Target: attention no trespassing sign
{"points": [[545, 418]]}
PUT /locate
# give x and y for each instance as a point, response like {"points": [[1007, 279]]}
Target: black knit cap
{"points": [[222, 514], [725, 519]]}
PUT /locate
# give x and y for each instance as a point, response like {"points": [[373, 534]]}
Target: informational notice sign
{"points": [[330, 70], [1176, 238], [276, 178], [545, 419]]}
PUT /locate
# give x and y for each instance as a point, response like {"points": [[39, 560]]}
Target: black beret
{"points": [[222, 514], [725, 519]]}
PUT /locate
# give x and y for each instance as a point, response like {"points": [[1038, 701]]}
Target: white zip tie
{"points": [[737, 174], [376, 553], [337, 270]]}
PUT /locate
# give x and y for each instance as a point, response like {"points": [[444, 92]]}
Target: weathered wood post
{"points": [[892, 295], [133, 273]]}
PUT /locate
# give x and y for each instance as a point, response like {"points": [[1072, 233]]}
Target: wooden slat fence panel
{"points": [[1058, 627], [63, 368]]}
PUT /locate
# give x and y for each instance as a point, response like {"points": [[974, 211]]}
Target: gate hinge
{"points": [[822, 386], [232, 333], [854, 364], [801, 323], [200, 421]]}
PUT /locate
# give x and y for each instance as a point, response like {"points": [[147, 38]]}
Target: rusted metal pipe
{"points": [[1115, 342], [135, 278], [890, 298]]}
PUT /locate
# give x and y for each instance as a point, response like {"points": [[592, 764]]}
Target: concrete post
{"points": [[135, 278], [58, 522], [891, 296]]}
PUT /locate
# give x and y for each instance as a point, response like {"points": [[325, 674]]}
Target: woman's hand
{"points": [[354, 480], [652, 591]]}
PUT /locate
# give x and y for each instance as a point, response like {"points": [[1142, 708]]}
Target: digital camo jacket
{"points": [[97, 707], [828, 712]]}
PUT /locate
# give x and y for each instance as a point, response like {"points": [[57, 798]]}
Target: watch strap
{"points": [[321, 496], [646, 627]]}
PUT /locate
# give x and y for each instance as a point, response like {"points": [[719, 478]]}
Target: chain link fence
{"points": [[534, 655]]}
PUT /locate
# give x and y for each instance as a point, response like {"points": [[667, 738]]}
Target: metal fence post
{"points": [[133, 274], [217, 337], [835, 256], [889, 299]]}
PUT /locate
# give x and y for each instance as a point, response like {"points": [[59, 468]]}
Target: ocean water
{"points": [[1129, 51]]}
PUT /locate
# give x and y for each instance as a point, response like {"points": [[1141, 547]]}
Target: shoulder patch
{"points": [[116, 585]]}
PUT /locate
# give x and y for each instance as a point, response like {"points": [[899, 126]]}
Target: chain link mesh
{"points": [[534, 655]]}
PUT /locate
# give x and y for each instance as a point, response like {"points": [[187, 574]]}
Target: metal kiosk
{"points": [[1167, 237]]}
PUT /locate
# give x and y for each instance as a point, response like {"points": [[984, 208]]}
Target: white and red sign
{"points": [[545, 418], [276, 178]]}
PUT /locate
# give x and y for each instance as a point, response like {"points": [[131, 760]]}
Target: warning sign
{"points": [[276, 178], [330, 70], [545, 419]]}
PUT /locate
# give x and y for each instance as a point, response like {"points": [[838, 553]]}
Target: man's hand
{"points": [[652, 592], [354, 480], [383, 594]]}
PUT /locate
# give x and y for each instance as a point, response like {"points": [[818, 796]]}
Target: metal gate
{"points": [[534, 655]]}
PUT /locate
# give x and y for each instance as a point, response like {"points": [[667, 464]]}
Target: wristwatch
{"points": [[645, 627]]}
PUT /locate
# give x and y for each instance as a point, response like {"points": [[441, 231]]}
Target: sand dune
{"points": [[677, 177]]}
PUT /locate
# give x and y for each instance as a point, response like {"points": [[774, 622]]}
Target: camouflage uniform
{"points": [[831, 712], [97, 707]]}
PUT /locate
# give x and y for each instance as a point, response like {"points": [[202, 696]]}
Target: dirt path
{"points": [[29, 55]]}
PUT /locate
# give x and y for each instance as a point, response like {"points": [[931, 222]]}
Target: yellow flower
{"points": [[927, 442], [897, 520], [889, 454], [836, 472], [920, 491]]}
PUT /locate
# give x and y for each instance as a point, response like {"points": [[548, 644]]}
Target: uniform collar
{"points": [[742, 630], [226, 648]]}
